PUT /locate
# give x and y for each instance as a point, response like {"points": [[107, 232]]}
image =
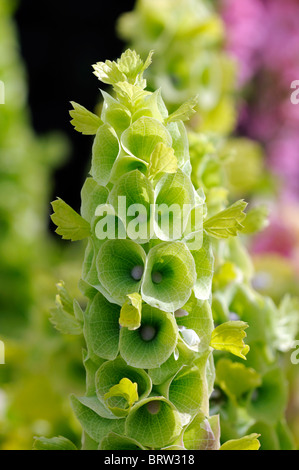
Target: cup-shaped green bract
{"points": [[114, 441], [115, 114], [133, 197], [186, 390], [170, 276], [102, 327], [154, 422], [112, 372], [93, 424], [120, 265], [174, 202], [104, 153], [141, 138], [153, 342], [125, 164]]}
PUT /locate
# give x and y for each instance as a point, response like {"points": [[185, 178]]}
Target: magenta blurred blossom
{"points": [[264, 36]]}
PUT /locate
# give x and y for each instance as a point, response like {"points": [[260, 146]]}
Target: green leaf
{"points": [[286, 323], [169, 277], [184, 112], [250, 442], [92, 196], [235, 379], [83, 120], [269, 401], [125, 394], [120, 265], [105, 151], [227, 223], [229, 337], [54, 443], [256, 220], [182, 356], [112, 372], [93, 424], [115, 114], [102, 327], [154, 422], [130, 314], [129, 94], [153, 343], [135, 194], [114, 441], [62, 317], [162, 160], [204, 263], [71, 226], [108, 72], [175, 199], [141, 138], [196, 315], [199, 435], [186, 390]]}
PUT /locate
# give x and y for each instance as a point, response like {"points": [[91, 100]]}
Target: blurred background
{"points": [[46, 53]]}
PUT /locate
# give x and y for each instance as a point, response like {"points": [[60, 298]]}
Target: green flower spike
{"points": [[148, 322]]}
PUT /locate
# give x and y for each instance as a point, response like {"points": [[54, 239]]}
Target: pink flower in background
{"points": [[264, 37], [245, 33]]}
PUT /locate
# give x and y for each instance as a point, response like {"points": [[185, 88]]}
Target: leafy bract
{"points": [[228, 222], [67, 317], [229, 337], [121, 397], [83, 120], [102, 327], [141, 138], [250, 442], [204, 263], [93, 424], [153, 342], [169, 277], [70, 225], [202, 433], [175, 199], [162, 160], [133, 197], [111, 373], [154, 422], [186, 391], [54, 443], [184, 112], [130, 314], [92, 195], [129, 68], [256, 220], [105, 150], [235, 379], [114, 441], [120, 266]]}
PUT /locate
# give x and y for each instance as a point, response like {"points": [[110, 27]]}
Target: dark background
{"points": [[60, 40]]}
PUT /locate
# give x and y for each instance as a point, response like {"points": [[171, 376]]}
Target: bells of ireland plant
{"points": [[147, 277]]}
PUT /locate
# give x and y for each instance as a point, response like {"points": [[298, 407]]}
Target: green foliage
{"points": [[71, 226], [55, 443], [148, 323], [226, 223], [229, 337], [83, 120]]}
